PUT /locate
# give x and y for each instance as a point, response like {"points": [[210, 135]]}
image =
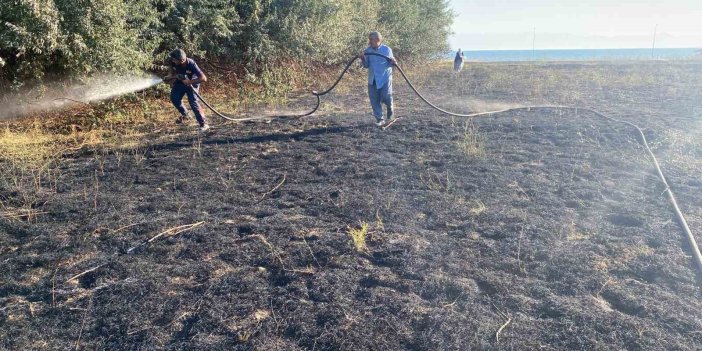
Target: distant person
{"points": [[458, 61], [379, 77], [186, 68]]}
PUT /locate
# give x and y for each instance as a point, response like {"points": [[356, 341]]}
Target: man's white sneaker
{"points": [[204, 127], [380, 123]]}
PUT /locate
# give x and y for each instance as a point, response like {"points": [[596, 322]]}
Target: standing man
{"points": [[379, 77], [458, 61], [187, 77]]}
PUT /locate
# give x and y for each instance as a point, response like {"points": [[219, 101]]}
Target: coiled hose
{"points": [[314, 92], [697, 256]]}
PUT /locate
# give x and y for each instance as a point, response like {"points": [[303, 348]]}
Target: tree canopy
{"points": [[82, 37]]}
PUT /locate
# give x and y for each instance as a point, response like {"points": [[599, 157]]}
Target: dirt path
{"points": [[547, 226]]}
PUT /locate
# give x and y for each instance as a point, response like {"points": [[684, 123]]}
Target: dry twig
{"points": [[276, 254], [520, 264], [454, 301], [311, 252], [135, 224], [168, 232], [21, 213], [82, 324], [53, 287], [497, 335], [275, 188], [84, 273], [603, 287]]}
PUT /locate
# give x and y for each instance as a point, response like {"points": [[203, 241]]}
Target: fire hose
{"points": [[697, 256]]}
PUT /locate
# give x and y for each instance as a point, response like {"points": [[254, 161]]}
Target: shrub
{"points": [[39, 38]]}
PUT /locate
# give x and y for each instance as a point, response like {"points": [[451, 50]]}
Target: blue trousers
{"points": [[381, 96], [177, 92]]}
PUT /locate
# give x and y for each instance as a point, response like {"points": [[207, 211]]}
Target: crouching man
{"points": [[186, 77]]}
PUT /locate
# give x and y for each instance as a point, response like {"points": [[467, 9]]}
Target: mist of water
{"points": [[62, 95]]}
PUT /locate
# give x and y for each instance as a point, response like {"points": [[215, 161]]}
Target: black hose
{"points": [[418, 93], [314, 92], [253, 118], [697, 256]]}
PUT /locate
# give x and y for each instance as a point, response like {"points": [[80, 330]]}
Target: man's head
{"points": [[374, 39], [178, 57]]}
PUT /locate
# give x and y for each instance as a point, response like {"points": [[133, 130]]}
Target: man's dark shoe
{"points": [[183, 119]]}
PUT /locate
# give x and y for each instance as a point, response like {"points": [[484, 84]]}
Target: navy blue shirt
{"points": [[190, 70]]}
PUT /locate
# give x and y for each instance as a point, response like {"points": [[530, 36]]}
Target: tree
{"points": [[83, 37]]}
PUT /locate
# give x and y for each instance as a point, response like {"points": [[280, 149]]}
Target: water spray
{"points": [[97, 89]]}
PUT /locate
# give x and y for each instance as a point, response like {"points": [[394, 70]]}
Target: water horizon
{"points": [[579, 54]]}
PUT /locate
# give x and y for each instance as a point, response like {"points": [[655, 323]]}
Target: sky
{"points": [[567, 24]]}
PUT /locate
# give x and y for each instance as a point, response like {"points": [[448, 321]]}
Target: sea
{"points": [[581, 54]]}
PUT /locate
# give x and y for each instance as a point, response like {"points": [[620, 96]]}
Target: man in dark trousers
{"points": [[186, 77]]}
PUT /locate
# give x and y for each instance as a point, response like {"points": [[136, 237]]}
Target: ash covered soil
{"points": [[539, 229]]}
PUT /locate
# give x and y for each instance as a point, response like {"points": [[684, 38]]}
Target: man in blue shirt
{"points": [[379, 77], [186, 68]]}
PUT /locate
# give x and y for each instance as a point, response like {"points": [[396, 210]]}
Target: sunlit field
{"points": [[531, 229]]}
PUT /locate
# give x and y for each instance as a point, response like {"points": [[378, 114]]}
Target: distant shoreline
{"points": [[578, 54]]}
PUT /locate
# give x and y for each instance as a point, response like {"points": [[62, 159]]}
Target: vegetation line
{"points": [[256, 37]]}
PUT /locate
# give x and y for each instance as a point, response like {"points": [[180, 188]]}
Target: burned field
{"points": [[536, 229]]}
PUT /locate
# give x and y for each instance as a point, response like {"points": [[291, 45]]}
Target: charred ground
{"points": [[548, 226]]}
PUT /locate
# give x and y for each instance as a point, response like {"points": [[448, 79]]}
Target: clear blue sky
{"points": [[567, 24]]}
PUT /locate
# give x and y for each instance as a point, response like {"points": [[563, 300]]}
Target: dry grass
{"points": [[471, 143], [30, 147], [547, 82], [129, 123], [477, 207], [358, 236], [27, 158]]}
